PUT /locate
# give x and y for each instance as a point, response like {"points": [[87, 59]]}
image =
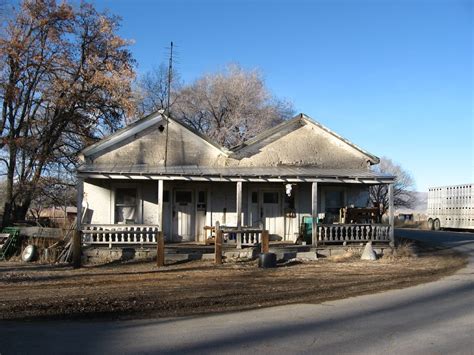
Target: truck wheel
{"points": [[437, 224], [430, 224]]}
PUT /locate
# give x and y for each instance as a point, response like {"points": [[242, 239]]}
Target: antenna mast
{"points": [[170, 73]]}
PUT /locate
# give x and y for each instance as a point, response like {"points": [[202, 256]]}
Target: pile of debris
{"points": [[37, 243]]}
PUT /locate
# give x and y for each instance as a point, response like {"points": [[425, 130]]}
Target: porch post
{"points": [[314, 213], [77, 236], [239, 213], [80, 198], [391, 219], [160, 204]]}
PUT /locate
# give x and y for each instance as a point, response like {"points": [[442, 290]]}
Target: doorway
{"points": [[183, 215]]}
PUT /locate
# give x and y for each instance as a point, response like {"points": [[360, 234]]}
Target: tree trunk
{"points": [[20, 211], [7, 211]]}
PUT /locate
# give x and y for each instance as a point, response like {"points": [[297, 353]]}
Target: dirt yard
{"points": [[142, 290]]}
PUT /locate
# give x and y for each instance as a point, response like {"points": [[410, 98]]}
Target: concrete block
{"points": [[324, 252], [207, 256], [176, 257], [307, 255]]}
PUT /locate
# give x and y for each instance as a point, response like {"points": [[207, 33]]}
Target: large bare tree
{"points": [[151, 91], [229, 106], [65, 77], [403, 189]]}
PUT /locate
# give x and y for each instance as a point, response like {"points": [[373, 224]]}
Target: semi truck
{"points": [[451, 207]]}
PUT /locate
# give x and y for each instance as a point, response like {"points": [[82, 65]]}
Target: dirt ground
{"points": [[142, 290]]}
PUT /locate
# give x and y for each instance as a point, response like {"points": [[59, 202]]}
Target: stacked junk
{"points": [[37, 243]]}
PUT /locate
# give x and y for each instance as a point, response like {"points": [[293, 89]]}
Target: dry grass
{"points": [[142, 290]]}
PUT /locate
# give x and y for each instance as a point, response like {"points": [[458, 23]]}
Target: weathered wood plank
{"points": [[218, 245], [76, 249], [160, 250], [265, 241]]}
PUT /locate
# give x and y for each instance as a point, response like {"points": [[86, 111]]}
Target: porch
{"points": [[130, 206]]}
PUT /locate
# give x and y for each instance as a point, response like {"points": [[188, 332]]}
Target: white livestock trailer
{"points": [[451, 207]]}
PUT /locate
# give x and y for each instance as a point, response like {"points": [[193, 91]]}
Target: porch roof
{"points": [[251, 174]]}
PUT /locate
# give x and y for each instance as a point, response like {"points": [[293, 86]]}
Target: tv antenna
{"points": [[170, 78]]}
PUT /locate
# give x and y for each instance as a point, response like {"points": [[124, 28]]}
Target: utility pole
{"points": [[170, 74]]}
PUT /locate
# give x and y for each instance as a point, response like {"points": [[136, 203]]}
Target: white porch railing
{"points": [[245, 236], [110, 234], [339, 233]]}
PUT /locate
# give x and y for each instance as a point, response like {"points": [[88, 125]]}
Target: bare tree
{"points": [[65, 77], [403, 189], [151, 92], [230, 106]]}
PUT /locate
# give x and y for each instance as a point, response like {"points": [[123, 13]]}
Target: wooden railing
{"points": [[110, 234], [244, 236], [339, 233]]}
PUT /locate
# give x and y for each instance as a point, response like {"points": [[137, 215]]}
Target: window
{"points": [[184, 197], [334, 201], [166, 196], [254, 197], [126, 205], [202, 197], [270, 197], [201, 204]]}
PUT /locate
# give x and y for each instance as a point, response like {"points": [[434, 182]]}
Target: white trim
{"points": [[235, 179], [119, 136]]}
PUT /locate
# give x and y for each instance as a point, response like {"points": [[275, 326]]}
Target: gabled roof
{"points": [[139, 126], [295, 123]]}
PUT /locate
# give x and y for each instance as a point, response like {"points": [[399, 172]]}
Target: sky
{"points": [[394, 77]]}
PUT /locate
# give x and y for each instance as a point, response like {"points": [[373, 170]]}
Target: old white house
{"points": [[158, 173]]}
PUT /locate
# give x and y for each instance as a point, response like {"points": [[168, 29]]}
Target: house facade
{"points": [[159, 173]]}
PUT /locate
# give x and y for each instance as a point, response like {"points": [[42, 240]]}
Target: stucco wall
{"points": [[149, 194], [184, 148], [97, 199], [307, 145]]}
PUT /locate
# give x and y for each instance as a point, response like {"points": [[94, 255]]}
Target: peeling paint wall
{"points": [[184, 148], [307, 145]]}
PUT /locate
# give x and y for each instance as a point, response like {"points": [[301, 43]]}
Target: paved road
{"points": [[435, 318]]}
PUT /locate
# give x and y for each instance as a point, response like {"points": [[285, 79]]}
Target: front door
{"points": [[272, 215], [183, 215]]}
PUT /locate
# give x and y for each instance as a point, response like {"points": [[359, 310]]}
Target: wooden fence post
{"points": [[160, 249], [265, 241], [218, 245], [76, 249]]}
